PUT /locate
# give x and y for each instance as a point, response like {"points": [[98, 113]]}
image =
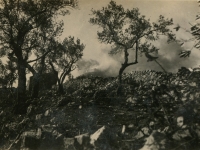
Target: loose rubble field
{"points": [[154, 110]]}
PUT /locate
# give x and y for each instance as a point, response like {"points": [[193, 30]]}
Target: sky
{"points": [[96, 58]]}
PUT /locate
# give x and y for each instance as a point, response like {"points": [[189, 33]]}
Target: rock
{"points": [[180, 120], [69, 143], [47, 128], [131, 100], [31, 139], [104, 138], [83, 141], [47, 112], [144, 132], [156, 141], [186, 138], [193, 84], [123, 129], [53, 120], [29, 110], [38, 117], [182, 134], [39, 133]]}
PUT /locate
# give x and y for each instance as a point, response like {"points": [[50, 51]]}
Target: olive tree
{"points": [[21, 29], [63, 59], [129, 31]]}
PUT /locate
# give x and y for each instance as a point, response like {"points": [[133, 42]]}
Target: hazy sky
{"points": [[96, 55]]}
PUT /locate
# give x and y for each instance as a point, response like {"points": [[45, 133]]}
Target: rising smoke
{"points": [[168, 57]]}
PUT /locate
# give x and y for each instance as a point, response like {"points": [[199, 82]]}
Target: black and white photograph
{"points": [[99, 74]]}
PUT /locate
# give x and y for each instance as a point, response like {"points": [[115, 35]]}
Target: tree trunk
{"points": [[60, 88], [119, 88], [21, 94], [35, 85], [60, 81], [123, 67], [36, 79]]}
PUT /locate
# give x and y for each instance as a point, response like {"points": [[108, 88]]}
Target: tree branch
{"points": [[31, 68], [31, 17], [136, 52], [136, 56], [149, 32], [160, 66], [39, 57], [133, 63]]}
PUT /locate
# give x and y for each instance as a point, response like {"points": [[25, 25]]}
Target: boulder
{"points": [[156, 141], [182, 134], [104, 139], [31, 139], [83, 142], [83, 139], [185, 138]]}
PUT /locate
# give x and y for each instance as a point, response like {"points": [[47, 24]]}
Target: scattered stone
{"points": [[38, 117], [130, 126], [131, 100], [104, 138], [156, 141], [186, 138], [123, 129], [53, 120], [182, 134], [142, 133], [47, 128], [180, 121], [29, 110], [69, 143], [47, 112], [31, 139], [83, 139]]}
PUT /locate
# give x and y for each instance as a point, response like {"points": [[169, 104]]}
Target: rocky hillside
{"points": [[154, 110]]}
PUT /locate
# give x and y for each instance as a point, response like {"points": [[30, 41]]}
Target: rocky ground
{"points": [[154, 111]]}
